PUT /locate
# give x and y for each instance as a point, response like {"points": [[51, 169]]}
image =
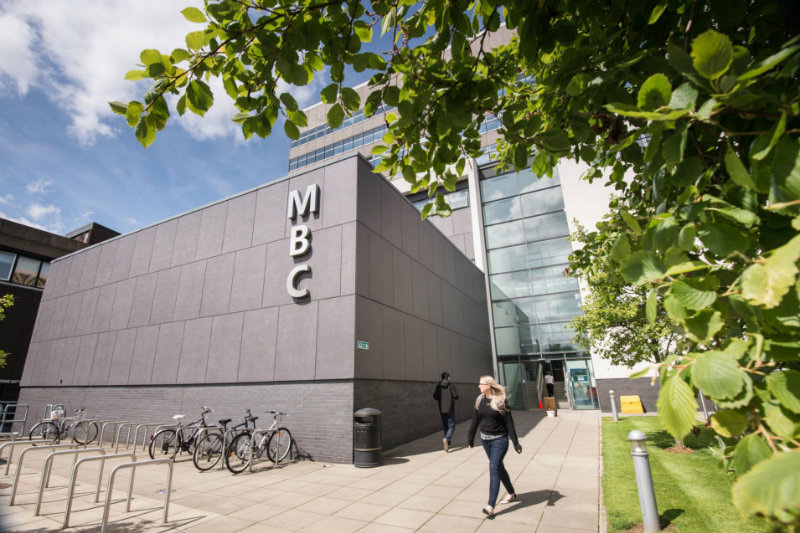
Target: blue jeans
{"points": [[448, 425], [496, 450]]}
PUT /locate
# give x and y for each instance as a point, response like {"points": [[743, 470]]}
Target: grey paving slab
{"points": [[419, 488]]}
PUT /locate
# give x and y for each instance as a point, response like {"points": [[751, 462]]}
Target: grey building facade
{"points": [[317, 295]]}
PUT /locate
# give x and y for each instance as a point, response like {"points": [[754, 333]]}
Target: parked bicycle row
{"points": [[241, 445]]}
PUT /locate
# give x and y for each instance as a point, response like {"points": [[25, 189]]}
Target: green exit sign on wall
{"points": [[362, 345]]}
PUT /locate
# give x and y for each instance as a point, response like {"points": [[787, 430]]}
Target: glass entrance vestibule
{"points": [[574, 386]]}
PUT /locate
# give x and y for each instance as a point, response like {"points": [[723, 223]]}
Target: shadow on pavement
{"points": [[529, 499]]}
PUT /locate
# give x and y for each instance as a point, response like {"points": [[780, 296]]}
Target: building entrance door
{"points": [[581, 387]]}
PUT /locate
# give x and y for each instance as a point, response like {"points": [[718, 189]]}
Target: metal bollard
{"points": [[613, 395], [644, 481]]}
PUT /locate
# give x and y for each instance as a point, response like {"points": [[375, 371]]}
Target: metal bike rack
{"points": [[48, 466], [181, 429], [10, 407], [73, 479], [255, 433], [134, 465], [103, 424], [12, 444], [22, 457], [120, 426], [144, 425]]}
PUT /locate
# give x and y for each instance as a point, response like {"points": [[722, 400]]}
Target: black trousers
{"points": [[549, 389]]}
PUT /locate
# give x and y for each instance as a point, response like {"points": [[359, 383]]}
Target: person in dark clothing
{"points": [[446, 395], [493, 416]]}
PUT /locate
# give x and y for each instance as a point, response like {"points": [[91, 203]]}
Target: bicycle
{"points": [[276, 441], [209, 448], [162, 441], [53, 430]]}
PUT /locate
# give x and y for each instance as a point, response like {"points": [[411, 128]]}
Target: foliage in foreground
{"points": [[6, 301], [688, 109]]}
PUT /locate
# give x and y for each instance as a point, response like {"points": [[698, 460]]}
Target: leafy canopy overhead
{"points": [[688, 109]]}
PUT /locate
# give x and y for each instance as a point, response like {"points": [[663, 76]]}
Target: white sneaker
{"points": [[446, 446]]}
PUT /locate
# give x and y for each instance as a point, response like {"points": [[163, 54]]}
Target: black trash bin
{"points": [[367, 449]]}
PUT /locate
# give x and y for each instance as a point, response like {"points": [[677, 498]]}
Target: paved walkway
{"points": [[420, 488]]}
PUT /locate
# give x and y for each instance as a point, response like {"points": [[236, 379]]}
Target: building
{"points": [[317, 295], [25, 256], [515, 228]]}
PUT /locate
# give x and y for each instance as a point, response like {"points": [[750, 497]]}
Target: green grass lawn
{"points": [[692, 491]]}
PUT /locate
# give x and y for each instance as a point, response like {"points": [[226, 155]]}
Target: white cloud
{"points": [[6, 200], [19, 64], [39, 186], [38, 211]]}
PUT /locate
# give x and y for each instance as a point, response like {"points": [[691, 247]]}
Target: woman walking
{"points": [[493, 417]]}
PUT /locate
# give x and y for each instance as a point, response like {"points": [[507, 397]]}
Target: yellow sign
{"points": [[630, 405]]}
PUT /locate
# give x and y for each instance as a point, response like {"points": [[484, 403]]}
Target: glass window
{"points": [[546, 253], [501, 211], [546, 226], [458, 199], [521, 340], [512, 285], [507, 259], [545, 201], [528, 181], [26, 271], [499, 187], [505, 234], [43, 275], [557, 306], [6, 264], [508, 313], [551, 279]]}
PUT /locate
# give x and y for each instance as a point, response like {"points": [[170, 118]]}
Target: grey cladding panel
{"points": [[259, 336], [102, 358], [163, 245], [430, 352], [142, 303], [194, 353], [296, 346], [369, 200], [426, 233], [89, 273], [75, 272], [52, 371], [88, 307], [341, 193], [217, 287], [123, 299], [381, 275], [108, 257], [325, 259], [144, 353], [165, 295], [349, 258], [411, 226], [168, 352], [239, 223], [362, 260], [142, 252], [190, 291], [105, 306], [335, 342], [419, 290], [270, 213], [83, 366], [392, 205], [248, 278], [212, 231], [414, 365], [279, 264], [403, 297], [223, 356], [393, 344], [69, 360], [186, 238], [462, 221], [369, 328], [122, 357], [124, 257]]}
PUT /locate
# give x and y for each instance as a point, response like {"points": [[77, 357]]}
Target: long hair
{"points": [[497, 398]]}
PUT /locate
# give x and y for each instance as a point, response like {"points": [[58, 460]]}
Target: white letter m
{"points": [[310, 201]]}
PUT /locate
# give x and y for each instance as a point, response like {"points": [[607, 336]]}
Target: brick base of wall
{"points": [[409, 410], [320, 413]]}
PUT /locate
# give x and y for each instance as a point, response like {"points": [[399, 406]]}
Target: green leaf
{"points": [[388, 21], [379, 149], [642, 267], [181, 106], [179, 54], [150, 56], [351, 99], [119, 108], [728, 423], [135, 75], [750, 451], [767, 63], [665, 234], [655, 92], [704, 113], [298, 117], [195, 40], [289, 102], [363, 31], [328, 94], [133, 112], [780, 422], [723, 239], [686, 267], [693, 293], [656, 13], [684, 97], [621, 249], [145, 134], [686, 237], [335, 116], [765, 142], [771, 488], [677, 407], [291, 129], [704, 325], [717, 374], [674, 146], [631, 222], [737, 214], [193, 14], [736, 169], [640, 373], [199, 97], [674, 309], [651, 308], [785, 387], [766, 283], [786, 169], [712, 54]]}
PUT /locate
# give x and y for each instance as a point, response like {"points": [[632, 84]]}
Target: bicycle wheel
{"points": [[207, 452], [238, 457], [279, 444], [44, 430], [84, 432], [162, 443]]}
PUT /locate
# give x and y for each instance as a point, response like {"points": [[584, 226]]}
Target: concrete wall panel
{"points": [[341, 193], [194, 351], [105, 267], [190, 293], [102, 358], [248, 278], [75, 272], [212, 231], [381, 271], [403, 292], [369, 328], [105, 306], [349, 253], [89, 273], [186, 238], [239, 223], [296, 354], [122, 357], [226, 341], [123, 300], [163, 245], [270, 213], [259, 339], [142, 304], [142, 252], [165, 295], [83, 366], [335, 338], [144, 353], [168, 351], [88, 308], [217, 286], [123, 259]]}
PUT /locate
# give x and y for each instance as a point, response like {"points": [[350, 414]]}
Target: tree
{"points": [[615, 323], [688, 109], [6, 301]]}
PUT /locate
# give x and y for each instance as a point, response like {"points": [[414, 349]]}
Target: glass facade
{"points": [[533, 299]]}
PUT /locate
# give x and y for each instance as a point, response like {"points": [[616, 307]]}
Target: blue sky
{"points": [[66, 160]]}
